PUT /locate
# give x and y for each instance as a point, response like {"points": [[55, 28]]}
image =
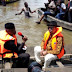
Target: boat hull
{"points": [[61, 23], [9, 1]]}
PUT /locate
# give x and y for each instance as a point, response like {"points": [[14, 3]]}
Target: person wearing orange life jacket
{"points": [[52, 46], [9, 46]]}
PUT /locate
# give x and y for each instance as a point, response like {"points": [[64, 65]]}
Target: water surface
{"points": [[27, 26]]}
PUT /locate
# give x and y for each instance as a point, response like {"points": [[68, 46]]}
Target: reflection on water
{"points": [[28, 26]]}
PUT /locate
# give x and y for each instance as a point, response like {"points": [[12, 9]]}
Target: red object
{"points": [[19, 33], [69, 4]]}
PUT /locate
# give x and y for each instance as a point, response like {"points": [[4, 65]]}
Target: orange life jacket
{"points": [[54, 41], [4, 37]]}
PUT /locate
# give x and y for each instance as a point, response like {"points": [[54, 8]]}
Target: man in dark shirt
{"points": [[70, 11], [8, 42]]}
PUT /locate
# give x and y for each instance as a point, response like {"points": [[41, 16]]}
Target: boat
{"points": [[8, 1], [60, 65], [61, 23]]}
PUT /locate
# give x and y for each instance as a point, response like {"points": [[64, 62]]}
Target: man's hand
{"points": [[25, 39], [44, 53], [41, 52], [16, 14]]}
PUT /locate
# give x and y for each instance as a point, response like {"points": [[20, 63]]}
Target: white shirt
{"points": [[70, 5], [52, 4], [26, 11], [63, 5]]}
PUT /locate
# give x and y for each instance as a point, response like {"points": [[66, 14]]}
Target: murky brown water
{"points": [[27, 26]]}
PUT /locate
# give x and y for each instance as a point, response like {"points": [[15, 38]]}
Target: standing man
{"points": [[26, 10], [10, 48], [52, 46]]}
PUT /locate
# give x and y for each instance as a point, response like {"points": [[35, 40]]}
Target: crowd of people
{"points": [[52, 45], [58, 9]]}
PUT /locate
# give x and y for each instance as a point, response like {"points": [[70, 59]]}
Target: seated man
{"points": [[46, 4], [52, 46], [10, 48], [62, 8], [51, 7]]}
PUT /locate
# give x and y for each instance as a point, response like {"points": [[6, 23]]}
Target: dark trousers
{"points": [[22, 61], [34, 67], [70, 16]]}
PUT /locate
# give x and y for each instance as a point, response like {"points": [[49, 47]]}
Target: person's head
{"points": [[52, 27], [62, 1], [26, 4], [49, 1], [58, 1], [10, 28]]}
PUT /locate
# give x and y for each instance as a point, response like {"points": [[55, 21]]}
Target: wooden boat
{"points": [[63, 64], [61, 23], [8, 1]]}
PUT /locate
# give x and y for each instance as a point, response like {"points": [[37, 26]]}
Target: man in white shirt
{"points": [[62, 9], [51, 7]]}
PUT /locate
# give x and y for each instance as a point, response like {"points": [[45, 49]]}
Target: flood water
{"points": [[27, 26]]}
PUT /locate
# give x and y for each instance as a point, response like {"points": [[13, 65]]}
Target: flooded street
{"points": [[27, 26]]}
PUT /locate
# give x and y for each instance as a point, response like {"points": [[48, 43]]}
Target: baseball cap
{"points": [[53, 23]]}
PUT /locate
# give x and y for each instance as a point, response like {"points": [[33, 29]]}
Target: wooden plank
{"points": [[58, 69], [59, 64], [0, 58], [15, 70], [8, 65], [32, 57], [65, 69], [65, 56]]}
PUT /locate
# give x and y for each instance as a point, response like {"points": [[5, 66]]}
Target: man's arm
{"points": [[31, 11], [42, 47], [9, 45], [42, 44], [20, 12], [52, 5]]}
